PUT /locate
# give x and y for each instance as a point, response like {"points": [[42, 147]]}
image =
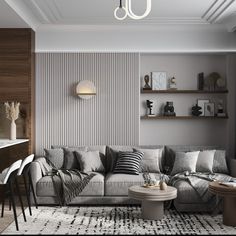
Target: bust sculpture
{"points": [[146, 80]]}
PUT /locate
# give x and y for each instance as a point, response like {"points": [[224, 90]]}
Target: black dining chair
{"points": [[7, 181], [24, 171]]}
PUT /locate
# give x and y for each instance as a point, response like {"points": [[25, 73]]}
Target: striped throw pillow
{"points": [[128, 163]]}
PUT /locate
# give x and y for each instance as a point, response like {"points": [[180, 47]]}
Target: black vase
{"points": [[169, 109]]}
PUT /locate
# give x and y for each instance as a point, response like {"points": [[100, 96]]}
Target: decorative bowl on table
{"points": [[151, 186]]}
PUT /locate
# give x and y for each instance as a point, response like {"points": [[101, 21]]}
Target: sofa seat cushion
{"points": [[45, 188], [118, 184], [186, 193]]}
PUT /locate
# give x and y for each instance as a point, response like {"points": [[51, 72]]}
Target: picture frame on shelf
{"points": [[209, 109], [159, 80], [201, 103]]}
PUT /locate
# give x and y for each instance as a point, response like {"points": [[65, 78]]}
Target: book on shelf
{"points": [[229, 184]]}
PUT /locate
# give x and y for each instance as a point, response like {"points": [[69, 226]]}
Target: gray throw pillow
{"points": [[185, 161], [71, 161], [55, 157], [205, 161], [219, 163], [90, 161], [151, 159]]}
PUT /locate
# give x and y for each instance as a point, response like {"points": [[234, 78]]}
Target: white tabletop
{"points": [[7, 142]]}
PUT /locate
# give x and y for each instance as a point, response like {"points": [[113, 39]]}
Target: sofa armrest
{"points": [[36, 173], [38, 168], [232, 167]]}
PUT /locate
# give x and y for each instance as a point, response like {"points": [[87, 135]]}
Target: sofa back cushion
{"points": [[55, 157], [70, 159], [171, 150]]}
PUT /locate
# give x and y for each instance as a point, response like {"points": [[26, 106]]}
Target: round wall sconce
{"points": [[85, 89]]}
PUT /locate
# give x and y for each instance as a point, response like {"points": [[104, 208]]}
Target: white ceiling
{"points": [[41, 13], [101, 11], [9, 18]]}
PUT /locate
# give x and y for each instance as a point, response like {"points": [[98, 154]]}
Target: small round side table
{"points": [[229, 195], [152, 200]]}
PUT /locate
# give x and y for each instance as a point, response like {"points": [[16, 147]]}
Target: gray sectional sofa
{"points": [[109, 188]]}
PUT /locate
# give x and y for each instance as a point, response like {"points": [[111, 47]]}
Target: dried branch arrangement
{"points": [[12, 110]]}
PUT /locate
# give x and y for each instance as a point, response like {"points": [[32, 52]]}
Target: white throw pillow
{"points": [[205, 161], [151, 160], [185, 161]]}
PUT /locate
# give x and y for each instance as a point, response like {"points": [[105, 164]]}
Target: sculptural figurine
{"points": [[146, 80], [149, 106], [196, 110], [173, 84], [220, 108], [169, 109]]}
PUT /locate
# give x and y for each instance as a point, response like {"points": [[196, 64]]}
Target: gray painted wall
{"points": [[185, 68], [112, 117]]}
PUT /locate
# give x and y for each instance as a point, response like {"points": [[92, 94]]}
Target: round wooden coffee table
{"points": [[152, 200], [229, 195]]}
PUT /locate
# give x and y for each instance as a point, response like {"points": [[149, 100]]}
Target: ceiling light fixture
{"points": [[128, 10]]}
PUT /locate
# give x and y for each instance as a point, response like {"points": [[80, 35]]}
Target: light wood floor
{"points": [[8, 215]]}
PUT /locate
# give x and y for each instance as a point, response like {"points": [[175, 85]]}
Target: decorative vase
{"points": [[163, 185], [13, 130], [169, 109]]}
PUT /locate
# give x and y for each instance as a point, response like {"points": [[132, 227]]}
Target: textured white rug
{"points": [[115, 220]]}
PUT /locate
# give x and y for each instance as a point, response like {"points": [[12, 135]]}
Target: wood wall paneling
{"points": [[17, 76]]}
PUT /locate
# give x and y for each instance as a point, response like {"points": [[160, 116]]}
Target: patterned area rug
{"points": [[116, 220]]}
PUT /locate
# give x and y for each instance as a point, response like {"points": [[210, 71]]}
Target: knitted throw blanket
{"points": [[68, 184], [200, 182]]}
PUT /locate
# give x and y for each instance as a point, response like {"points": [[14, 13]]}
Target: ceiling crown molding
{"points": [[231, 23], [217, 10], [37, 10], [49, 14], [24, 13]]}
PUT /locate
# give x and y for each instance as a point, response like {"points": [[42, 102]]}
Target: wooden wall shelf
{"points": [[184, 91], [181, 117]]}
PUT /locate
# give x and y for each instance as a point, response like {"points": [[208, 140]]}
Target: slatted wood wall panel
{"points": [[17, 73], [111, 117]]}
